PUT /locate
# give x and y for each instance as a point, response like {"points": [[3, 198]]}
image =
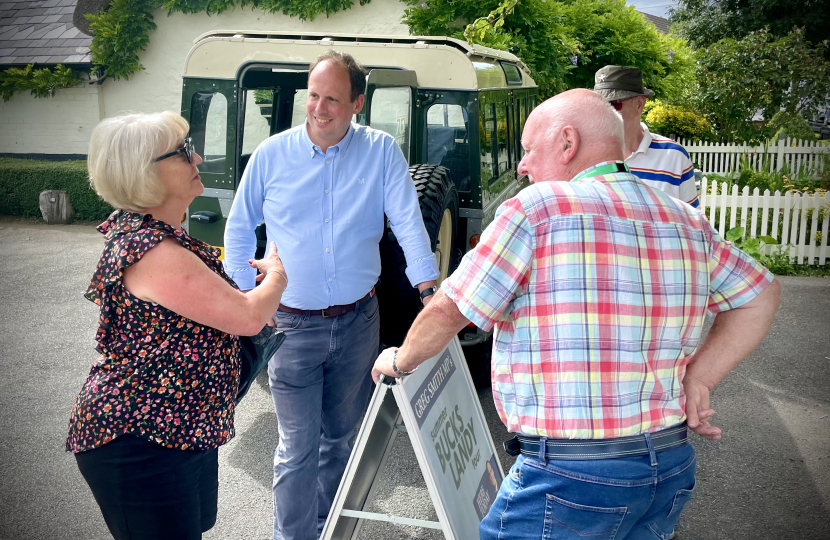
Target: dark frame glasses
{"points": [[187, 150]]}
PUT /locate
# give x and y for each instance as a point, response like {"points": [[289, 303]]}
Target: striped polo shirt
{"points": [[665, 165]]}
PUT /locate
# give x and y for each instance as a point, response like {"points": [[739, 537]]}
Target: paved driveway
{"points": [[769, 478]]}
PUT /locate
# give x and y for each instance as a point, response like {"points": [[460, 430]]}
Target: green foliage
{"points": [[791, 125], [704, 22], [486, 29], [667, 119], [119, 33], [263, 96], [41, 82], [736, 79], [123, 30], [754, 247], [805, 181], [563, 42], [22, 181], [305, 10]]}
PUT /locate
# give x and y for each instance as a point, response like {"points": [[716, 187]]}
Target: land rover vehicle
{"points": [[456, 110]]}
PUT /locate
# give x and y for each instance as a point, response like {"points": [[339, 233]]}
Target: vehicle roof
{"points": [[438, 62]]}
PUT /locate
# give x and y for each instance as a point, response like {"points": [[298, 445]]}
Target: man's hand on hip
{"points": [[698, 412]]}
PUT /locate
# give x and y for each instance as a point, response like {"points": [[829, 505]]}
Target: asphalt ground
{"points": [[769, 478]]}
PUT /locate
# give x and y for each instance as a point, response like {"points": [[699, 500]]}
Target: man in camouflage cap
{"points": [[658, 161]]}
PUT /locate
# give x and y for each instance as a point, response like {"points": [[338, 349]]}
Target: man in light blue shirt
{"points": [[323, 189]]}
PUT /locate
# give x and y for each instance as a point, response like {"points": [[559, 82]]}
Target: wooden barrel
{"points": [[55, 207]]}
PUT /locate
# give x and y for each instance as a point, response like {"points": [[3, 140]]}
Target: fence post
{"points": [[779, 161]]}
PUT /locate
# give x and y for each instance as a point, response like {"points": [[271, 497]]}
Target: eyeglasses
{"points": [[618, 103], [187, 150]]}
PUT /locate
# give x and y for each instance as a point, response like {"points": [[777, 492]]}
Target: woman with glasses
{"points": [[160, 398]]}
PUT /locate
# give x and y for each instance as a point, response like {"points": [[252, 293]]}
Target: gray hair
{"points": [[121, 157]]}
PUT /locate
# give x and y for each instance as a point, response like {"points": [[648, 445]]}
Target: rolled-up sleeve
{"points": [[400, 202], [735, 277], [491, 275]]}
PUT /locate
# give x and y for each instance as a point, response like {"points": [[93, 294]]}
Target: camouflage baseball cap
{"points": [[618, 82]]}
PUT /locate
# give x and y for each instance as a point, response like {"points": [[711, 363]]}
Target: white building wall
{"points": [[159, 86], [62, 124]]}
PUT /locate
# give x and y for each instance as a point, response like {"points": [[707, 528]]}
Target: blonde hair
{"points": [[121, 157]]}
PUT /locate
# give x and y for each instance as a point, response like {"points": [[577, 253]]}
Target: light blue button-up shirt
{"points": [[325, 213]]}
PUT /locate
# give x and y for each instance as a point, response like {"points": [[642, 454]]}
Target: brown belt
{"points": [[331, 311]]}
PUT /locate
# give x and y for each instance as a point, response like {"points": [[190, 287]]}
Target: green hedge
{"points": [[22, 181]]}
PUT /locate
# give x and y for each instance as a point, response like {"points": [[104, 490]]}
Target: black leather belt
{"points": [[620, 447], [331, 311]]}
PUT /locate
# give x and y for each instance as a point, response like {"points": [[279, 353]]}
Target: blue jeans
{"points": [[320, 381], [629, 498]]}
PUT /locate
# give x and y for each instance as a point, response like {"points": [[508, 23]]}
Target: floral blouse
{"points": [[160, 376]]}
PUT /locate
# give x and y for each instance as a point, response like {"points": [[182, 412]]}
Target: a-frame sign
{"points": [[439, 408]]}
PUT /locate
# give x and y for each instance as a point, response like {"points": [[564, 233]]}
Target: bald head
{"points": [[569, 133]]}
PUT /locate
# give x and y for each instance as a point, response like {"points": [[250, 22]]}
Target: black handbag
{"points": [[255, 352]]}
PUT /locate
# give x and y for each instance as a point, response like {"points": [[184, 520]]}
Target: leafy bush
{"points": [[41, 82], [791, 125], [672, 119], [22, 181]]}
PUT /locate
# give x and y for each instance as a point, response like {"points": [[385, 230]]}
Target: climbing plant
{"points": [[122, 31], [41, 82]]}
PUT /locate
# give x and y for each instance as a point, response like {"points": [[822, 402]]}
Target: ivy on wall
{"points": [[122, 31], [41, 82]]}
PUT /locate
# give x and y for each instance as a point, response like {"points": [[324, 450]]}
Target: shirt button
{"points": [[328, 162], [327, 250], [329, 279], [327, 220], [327, 191]]}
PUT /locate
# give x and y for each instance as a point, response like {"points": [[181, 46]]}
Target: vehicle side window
{"points": [[521, 116], [258, 107], [488, 144], [209, 128], [503, 136], [447, 142], [390, 112], [298, 113]]}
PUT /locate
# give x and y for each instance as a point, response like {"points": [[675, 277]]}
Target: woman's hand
{"points": [[271, 263]]}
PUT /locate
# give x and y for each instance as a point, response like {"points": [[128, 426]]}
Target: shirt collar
{"points": [[645, 143], [340, 147], [606, 167]]}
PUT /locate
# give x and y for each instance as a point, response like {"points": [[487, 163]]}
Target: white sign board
{"points": [[442, 415]]}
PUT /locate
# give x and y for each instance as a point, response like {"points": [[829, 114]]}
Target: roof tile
{"points": [[41, 31], [54, 32], [72, 32]]}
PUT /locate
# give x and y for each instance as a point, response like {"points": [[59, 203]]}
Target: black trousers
{"points": [[146, 491]]}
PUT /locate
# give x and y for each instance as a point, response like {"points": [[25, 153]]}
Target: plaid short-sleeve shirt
{"points": [[597, 289]]}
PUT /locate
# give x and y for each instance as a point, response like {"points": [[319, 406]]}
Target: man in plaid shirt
{"points": [[597, 287]]}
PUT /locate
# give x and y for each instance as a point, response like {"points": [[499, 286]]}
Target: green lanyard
{"points": [[605, 168]]}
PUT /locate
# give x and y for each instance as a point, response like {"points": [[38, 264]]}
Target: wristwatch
{"points": [[397, 371], [429, 291]]}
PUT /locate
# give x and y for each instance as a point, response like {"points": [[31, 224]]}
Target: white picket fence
{"points": [[723, 158], [783, 217]]}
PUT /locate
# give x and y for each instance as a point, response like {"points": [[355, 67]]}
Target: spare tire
{"points": [[399, 300]]}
